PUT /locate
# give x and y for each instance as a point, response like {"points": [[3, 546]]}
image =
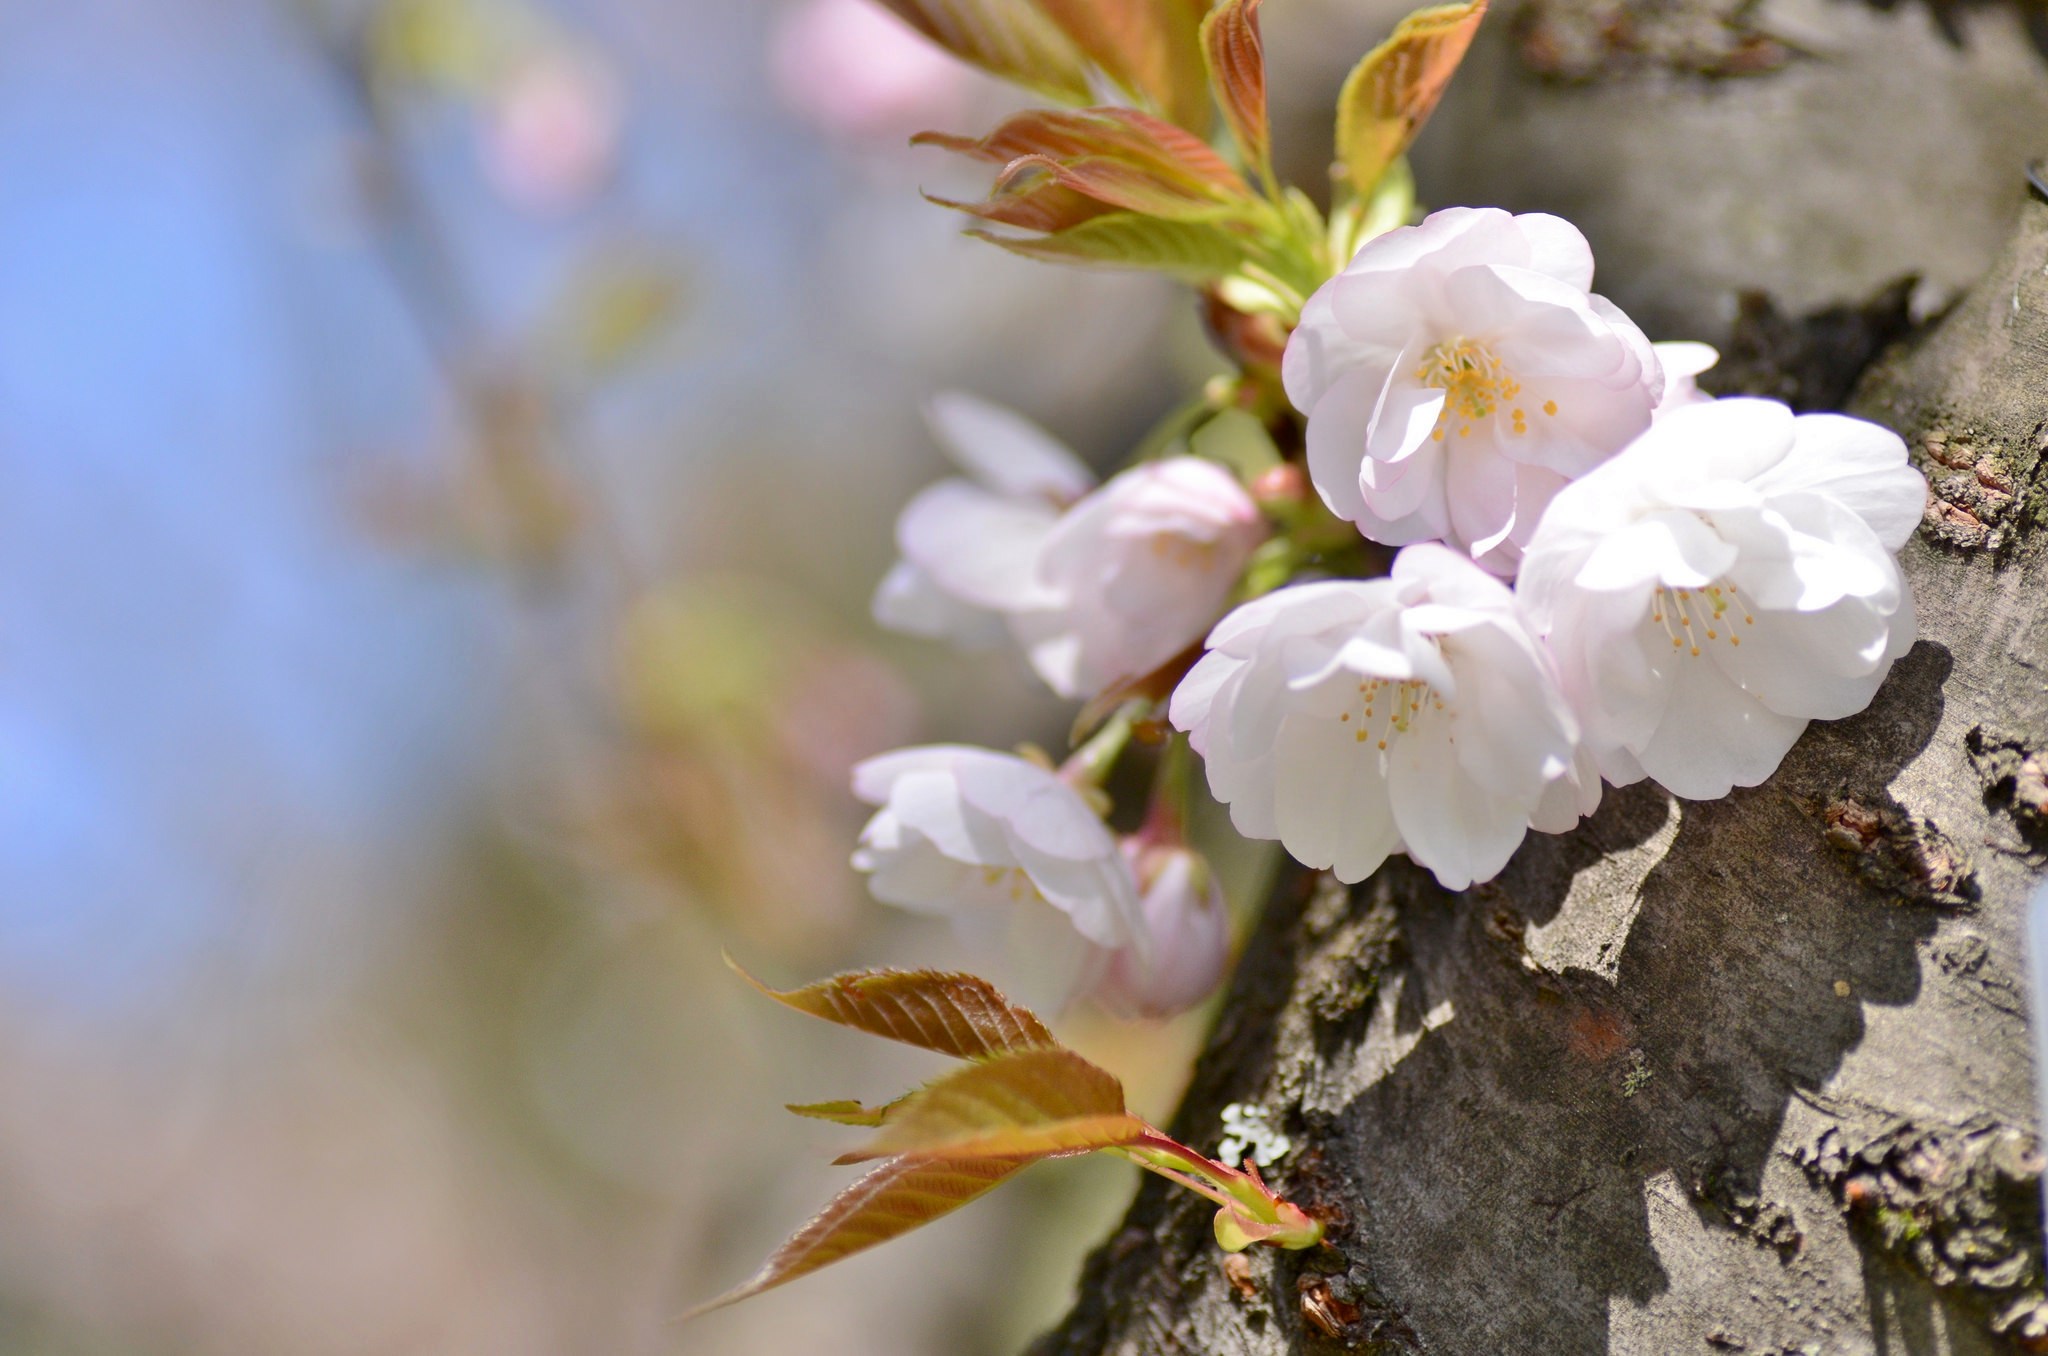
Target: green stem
{"points": [[1090, 765], [1249, 1211]]}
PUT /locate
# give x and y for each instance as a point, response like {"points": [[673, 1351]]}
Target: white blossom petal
{"points": [[1338, 433], [982, 836], [1326, 353], [977, 546], [1819, 665], [1006, 452], [1858, 464], [1672, 548], [1330, 799], [1451, 823], [910, 601], [1719, 738]]}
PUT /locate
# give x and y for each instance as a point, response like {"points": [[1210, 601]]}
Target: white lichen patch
{"points": [[1248, 1134]]}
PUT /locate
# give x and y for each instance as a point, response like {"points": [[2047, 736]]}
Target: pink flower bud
{"points": [[1282, 484], [1182, 909], [1136, 572]]}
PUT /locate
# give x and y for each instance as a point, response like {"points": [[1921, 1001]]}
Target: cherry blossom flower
{"points": [[1682, 361], [1128, 576], [1014, 855], [1136, 572], [970, 547], [1458, 373], [1417, 713], [1726, 579], [1184, 915]]}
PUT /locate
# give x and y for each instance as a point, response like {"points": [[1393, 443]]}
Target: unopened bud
{"points": [[1187, 947], [1282, 484]]}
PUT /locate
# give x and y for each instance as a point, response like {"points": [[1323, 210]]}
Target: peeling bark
{"points": [[1747, 1076]]}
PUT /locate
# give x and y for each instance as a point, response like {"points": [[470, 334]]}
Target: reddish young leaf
{"points": [[1026, 1104], [1236, 55], [900, 1195], [1007, 38], [954, 1014], [1049, 206], [1148, 47], [1112, 183], [1174, 157], [1391, 93]]}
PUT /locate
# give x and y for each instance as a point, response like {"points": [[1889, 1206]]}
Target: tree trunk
{"points": [[1747, 1076]]}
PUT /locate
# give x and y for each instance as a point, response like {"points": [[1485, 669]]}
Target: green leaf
{"points": [[1357, 220], [1197, 252], [1391, 93], [900, 1195], [954, 1014], [1030, 1104], [613, 310], [1236, 57], [1007, 38], [845, 1112], [1236, 439]]}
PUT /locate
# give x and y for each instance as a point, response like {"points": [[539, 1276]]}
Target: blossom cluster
{"points": [[1601, 575]]}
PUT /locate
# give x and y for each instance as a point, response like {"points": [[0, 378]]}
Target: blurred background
{"points": [[446, 449]]}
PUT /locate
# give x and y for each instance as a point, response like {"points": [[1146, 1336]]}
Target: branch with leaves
{"points": [[1145, 186], [1454, 546], [1021, 1098]]}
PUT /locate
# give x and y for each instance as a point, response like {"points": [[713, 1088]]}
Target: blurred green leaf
{"points": [[612, 310], [1236, 439], [439, 44], [1195, 252]]}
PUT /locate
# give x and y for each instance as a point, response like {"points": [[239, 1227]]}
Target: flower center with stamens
{"points": [[1021, 886], [1389, 707], [1475, 383], [1696, 617], [1185, 552]]}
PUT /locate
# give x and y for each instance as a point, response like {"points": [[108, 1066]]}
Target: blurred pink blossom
{"points": [[855, 70], [552, 131]]}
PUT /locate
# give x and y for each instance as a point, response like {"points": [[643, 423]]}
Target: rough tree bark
{"points": [[1749, 1076]]}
